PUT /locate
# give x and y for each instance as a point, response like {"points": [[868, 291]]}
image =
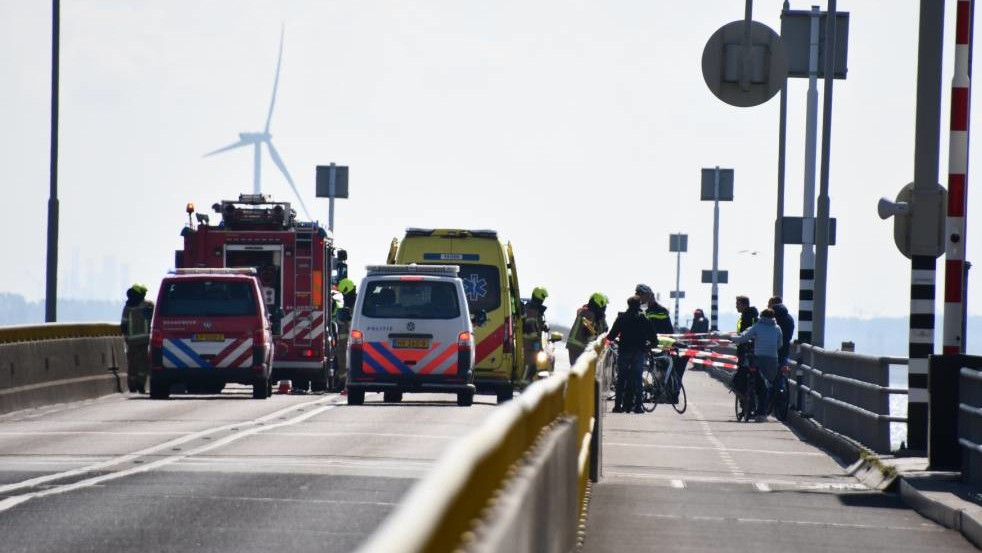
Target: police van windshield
{"points": [[409, 299], [207, 298]]}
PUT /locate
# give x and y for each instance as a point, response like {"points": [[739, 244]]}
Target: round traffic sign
{"points": [[744, 74]]}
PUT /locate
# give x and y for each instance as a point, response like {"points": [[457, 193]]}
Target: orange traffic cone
{"points": [[283, 387]]}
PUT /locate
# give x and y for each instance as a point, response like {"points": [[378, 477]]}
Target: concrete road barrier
{"points": [[57, 363]]}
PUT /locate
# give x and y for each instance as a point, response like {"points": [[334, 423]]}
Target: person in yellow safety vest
{"points": [[348, 292], [591, 321], [532, 328], [135, 326]]}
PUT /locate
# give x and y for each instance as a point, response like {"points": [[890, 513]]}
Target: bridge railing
{"points": [[59, 362], [457, 506], [848, 393], [970, 424]]}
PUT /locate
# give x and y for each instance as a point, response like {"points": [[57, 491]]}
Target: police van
{"points": [[411, 331], [490, 277], [210, 328]]}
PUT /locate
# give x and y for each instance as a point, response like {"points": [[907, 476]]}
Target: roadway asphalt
{"points": [[701, 481], [216, 473]]}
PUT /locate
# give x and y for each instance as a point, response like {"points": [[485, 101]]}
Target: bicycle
{"points": [[660, 382], [780, 399], [608, 368], [745, 402]]}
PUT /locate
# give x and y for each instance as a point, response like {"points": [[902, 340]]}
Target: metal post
{"points": [[806, 272], [330, 202], [778, 288], [257, 168], [678, 271], [714, 306], [745, 72], [51, 290], [822, 224], [923, 268], [961, 91]]}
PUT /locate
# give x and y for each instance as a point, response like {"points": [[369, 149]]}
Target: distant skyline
{"points": [[576, 129]]}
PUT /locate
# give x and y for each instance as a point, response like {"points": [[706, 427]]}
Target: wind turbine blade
{"points": [[276, 81], [238, 144], [279, 163]]}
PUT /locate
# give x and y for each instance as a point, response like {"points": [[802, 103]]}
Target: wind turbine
{"points": [[257, 139]]}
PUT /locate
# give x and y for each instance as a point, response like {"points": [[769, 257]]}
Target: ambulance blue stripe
{"points": [[177, 361], [191, 353], [393, 359]]}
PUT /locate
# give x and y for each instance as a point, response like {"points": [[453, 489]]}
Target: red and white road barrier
{"points": [[961, 90], [706, 354], [711, 363]]}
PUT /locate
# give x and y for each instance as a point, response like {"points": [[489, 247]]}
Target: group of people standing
{"points": [[763, 342]]}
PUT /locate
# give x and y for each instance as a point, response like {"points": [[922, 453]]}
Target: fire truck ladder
{"points": [[303, 263]]}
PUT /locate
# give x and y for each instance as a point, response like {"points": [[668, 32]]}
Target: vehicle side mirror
{"points": [[480, 318], [276, 317], [555, 336], [344, 315]]}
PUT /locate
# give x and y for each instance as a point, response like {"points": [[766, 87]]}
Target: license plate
{"points": [[211, 337], [411, 343]]}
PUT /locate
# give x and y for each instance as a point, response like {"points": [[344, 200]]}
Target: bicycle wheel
{"points": [[750, 401], [780, 402], [681, 404], [650, 391], [737, 411], [610, 371]]}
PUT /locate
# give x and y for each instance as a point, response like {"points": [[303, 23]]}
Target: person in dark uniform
{"points": [[634, 335]]}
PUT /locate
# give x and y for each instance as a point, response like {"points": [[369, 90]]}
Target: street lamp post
{"points": [[678, 243], [717, 186]]}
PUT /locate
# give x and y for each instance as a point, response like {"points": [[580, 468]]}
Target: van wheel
{"points": [[391, 397], [356, 397], [465, 399], [260, 388], [159, 388], [504, 394]]}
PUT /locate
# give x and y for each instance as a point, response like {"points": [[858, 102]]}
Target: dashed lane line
{"points": [[130, 457], [732, 450], [13, 501]]}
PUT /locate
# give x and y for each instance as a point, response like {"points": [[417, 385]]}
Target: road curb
{"points": [[878, 474], [966, 521]]}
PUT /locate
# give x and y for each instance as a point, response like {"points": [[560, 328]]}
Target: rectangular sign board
{"points": [[681, 294], [796, 35], [722, 277], [709, 184], [678, 242], [793, 228], [324, 181]]}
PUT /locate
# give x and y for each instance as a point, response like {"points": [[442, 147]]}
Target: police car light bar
{"points": [[436, 270], [216, 271]]}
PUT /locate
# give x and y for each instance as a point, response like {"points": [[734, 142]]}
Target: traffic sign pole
{"points": [[714, 314]]}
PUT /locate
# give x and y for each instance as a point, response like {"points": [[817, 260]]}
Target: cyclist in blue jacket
{"points": [[768, 339]]}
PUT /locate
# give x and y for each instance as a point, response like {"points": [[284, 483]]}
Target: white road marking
{"points": [[797, 484], [676, 483], [762, 486], [798, 522], [130, 457], [282, 500], [94, 433], [704, 448], [11, 502]]}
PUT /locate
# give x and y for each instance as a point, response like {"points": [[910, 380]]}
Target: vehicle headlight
{"points": [[542, 360]]}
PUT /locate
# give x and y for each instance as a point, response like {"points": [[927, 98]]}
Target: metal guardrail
{"points": [[55, 331], [848, 393], [970, 424], [441, 510]]}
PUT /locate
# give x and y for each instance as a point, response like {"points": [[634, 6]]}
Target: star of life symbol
{"points": [[411, 326], [475, 287]]}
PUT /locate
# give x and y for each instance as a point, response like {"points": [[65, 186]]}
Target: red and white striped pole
{"points": [[955, 277]]}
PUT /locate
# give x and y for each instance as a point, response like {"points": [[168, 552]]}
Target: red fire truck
{"points": [[295, 263]]}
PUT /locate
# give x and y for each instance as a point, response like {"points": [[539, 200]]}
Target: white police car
{"points": [[411, 331]]}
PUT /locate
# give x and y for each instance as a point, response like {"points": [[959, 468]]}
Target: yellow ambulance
{"points": [[487, 269]]}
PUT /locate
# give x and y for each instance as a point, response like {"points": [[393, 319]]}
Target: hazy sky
{"points": [[576, 129]]}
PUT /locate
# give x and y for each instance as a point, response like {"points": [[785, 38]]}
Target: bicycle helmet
{"points": [[599, 299], [539, 293]]}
